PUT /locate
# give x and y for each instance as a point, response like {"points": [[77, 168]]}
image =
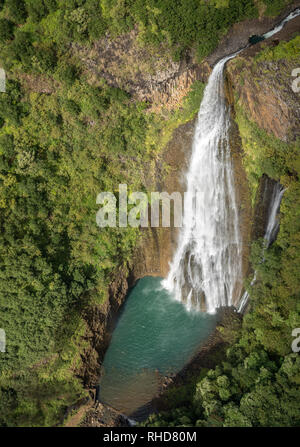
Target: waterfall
{"points": [[206, 269], [270, 234], [273, 221]]}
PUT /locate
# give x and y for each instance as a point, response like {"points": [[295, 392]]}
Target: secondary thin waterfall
{"points": [[269, 236], [206, 269], [273, 221]]}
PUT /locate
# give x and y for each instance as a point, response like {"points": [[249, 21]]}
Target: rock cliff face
{"points": [[264, 88], [241, 185], [100, 322], [157, 245], [260, 212], [123, 62], [137, 69]]}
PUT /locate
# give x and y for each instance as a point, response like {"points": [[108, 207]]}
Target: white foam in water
{"points": [[206, 268], [207, 263]]}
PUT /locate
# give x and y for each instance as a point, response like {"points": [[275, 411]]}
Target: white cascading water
{"points": [[270, 234], [206, 269], [273, 221]]}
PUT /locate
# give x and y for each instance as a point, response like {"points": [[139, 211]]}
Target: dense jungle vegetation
{"points": [[62, 141]]}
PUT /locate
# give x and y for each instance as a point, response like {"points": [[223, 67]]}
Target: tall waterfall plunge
{"points": [[206, 268]]}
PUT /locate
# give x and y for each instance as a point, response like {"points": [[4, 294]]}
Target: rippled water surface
{"points": [[155, 336]]}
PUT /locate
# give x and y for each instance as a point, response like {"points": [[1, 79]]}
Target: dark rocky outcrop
{"points": [[100, 322], [157, 245], [146, 73], [104, 416], [261, 208]]}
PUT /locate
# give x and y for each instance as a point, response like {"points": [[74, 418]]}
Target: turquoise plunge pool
{"points": [[155, 336]]}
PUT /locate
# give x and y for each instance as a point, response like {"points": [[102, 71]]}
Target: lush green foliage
{"points": [[16, 10], [264, 153], [284, 50], [246, 390], [183, 23], [62, 141], [6, 30], [274, 7], [58, 150]]}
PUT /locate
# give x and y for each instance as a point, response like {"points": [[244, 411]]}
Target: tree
{"points": [[17, 10], [6, 30]]}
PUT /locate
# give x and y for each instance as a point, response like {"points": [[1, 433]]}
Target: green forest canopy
{"points": [[58, 148]]}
